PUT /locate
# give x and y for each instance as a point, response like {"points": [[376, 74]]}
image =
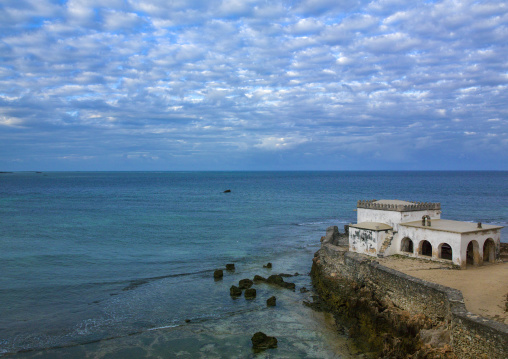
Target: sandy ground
{"points": [[485, 288]]}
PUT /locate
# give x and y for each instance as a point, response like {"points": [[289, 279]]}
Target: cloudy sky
{"points": [[253, 85]]}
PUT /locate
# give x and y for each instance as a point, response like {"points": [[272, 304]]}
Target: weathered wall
{"points": [[481, 238], [471, 336], [457, 241], [393, 218], [435, 238], [365, 241]]}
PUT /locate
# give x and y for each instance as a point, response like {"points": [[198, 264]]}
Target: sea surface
{"points": [[120, 264]]}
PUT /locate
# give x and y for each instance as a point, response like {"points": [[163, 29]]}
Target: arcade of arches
{"points": [[445, 250]]}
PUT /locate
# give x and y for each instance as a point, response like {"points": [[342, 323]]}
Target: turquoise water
{"points": [[109, 264]]}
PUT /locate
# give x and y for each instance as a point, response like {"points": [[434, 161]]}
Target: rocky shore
{"points": [[389, 314]]}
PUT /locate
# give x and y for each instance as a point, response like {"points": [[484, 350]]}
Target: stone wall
{"points": [[414, 206], [471, 336]]}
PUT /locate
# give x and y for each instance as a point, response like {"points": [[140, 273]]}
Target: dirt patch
{"points": [[484, 288]]}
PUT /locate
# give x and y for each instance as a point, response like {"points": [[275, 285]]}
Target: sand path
{"points": [[485, 288]]}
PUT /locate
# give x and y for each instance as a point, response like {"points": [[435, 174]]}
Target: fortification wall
{"points": [[414, 206], [471, 336]]}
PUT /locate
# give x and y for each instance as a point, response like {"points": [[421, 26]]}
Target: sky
{"points": [[253, 85]]}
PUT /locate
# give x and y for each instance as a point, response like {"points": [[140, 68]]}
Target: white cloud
{"points": [[255, 74], [279, 143], [10, 121]]}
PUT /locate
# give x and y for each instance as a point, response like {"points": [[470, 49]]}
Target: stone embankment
{"points": [[390, 314]]}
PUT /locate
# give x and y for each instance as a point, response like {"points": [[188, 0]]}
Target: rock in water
{"points": [[278, 280], [275, 279], [271, 302], [268, 265], [230, 266], [258, 278], [250, 293], [227, 191], [234, 291], [287, 285], [245, 283], [262, 341], [218, 274]]}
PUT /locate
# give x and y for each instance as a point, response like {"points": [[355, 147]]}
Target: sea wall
{"points": [[437, 323]]}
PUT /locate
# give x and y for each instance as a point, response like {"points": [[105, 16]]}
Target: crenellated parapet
{"points": [[412, 206]]}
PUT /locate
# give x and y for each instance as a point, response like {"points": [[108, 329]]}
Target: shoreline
{"points": [[389, 313]]}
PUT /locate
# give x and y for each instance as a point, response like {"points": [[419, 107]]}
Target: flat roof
{"points": [[393, 201], [373, 226], [447, 225]]}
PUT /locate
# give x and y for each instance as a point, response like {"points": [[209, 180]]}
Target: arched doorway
{"points": [[426, 249], [489, 251], [406, 245], [445, 251], [473, 254]]}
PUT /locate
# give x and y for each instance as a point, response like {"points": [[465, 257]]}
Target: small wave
{"points": [[134, 283], [308, 223], [164, 327], [140, 281], [51, 344]]}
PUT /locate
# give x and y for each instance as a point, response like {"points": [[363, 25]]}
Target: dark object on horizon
{"points": [[271, 302], [250, 293], [218, 274], [234, 291], [227, 191], [230, 266], [245, 283], [269, 265], [262, 341]]}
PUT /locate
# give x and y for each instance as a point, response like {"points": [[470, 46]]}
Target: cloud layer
{"points": [[191, 84]]}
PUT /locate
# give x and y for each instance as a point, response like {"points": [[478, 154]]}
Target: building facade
{"points": [[388, 227]]}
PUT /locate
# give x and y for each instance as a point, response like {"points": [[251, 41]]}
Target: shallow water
{"points": [[103, 264]]}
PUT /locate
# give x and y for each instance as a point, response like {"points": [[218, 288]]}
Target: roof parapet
{"points": [[414, 206]]}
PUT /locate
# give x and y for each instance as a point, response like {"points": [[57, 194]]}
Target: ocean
{"points": [[120, 264]]}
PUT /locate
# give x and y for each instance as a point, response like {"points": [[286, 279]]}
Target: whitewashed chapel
{"points": [[388, 227]]}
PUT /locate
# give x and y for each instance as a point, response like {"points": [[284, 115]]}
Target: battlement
{"points": [[399, 206]]}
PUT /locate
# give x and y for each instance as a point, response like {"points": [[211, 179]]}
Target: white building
{"points": [[415, 229]]}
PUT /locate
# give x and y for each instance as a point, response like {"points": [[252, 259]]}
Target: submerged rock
{"points": [[271, 302], [230, 266], [234, 291], [268, 265], [285, 275], [218, 274], [287, 285], [262, 341], [245, 283], [276, 279], [250, 293], [258, 278]]}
